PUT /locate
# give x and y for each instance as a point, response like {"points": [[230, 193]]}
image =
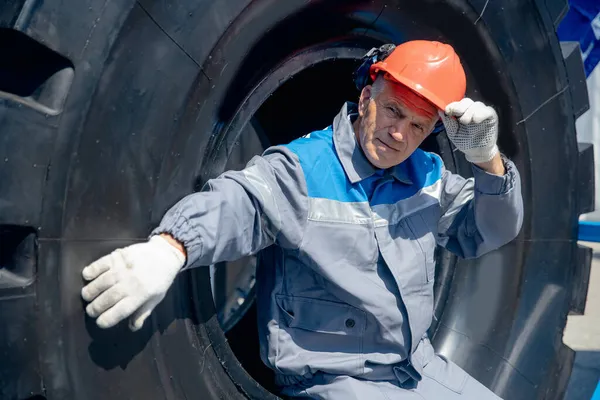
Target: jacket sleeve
{"points": [[242, 212], [482, 213]]}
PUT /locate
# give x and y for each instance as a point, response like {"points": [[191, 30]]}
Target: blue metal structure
{"points": [[589, 231], [582, 24]]}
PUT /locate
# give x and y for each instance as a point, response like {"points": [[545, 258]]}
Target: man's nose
{"points": [[397, 135], [398, 131]]}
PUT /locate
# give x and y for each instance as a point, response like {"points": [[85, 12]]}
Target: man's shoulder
{"points": [[305, 148], [314, 151], [313, 143], [321, 167], [309, 152]]}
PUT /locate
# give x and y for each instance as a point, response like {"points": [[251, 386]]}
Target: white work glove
{"points": [[131, 280], [473, 128]]}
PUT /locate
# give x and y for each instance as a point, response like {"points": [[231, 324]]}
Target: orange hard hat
{"points": [[431, 69]]}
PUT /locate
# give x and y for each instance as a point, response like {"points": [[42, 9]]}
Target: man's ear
{"points": [[365, 97]]}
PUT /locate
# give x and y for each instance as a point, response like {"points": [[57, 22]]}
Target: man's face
{"points": [[393, 124]]}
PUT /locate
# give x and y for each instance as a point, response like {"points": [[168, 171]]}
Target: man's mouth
{"points": [[387, 145]]}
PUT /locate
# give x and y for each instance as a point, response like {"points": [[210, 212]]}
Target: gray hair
{"points": [[377, 86]]}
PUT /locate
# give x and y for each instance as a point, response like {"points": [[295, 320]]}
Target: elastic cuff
{"points": [[492, 184]]}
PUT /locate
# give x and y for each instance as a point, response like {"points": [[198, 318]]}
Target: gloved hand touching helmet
{"points": [[131, 281], [473, 129]]}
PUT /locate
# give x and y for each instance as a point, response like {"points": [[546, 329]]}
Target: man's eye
{"points": [[394, 112], [419, 127]]}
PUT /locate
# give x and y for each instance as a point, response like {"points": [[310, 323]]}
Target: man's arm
{"points": [[484, 213], [237, 214], [480, 214], [241, 212]]}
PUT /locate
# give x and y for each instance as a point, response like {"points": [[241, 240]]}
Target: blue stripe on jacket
{"points": [[325, 176]]}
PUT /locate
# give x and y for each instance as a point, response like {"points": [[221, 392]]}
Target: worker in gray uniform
{"points": [[345, 221]]}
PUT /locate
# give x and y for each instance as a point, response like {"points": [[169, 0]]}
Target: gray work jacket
{"points": [[346, 263]]}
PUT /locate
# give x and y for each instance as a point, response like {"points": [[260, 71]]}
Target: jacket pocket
{"points": [[322, 316], [446, 373], [317, 334]]}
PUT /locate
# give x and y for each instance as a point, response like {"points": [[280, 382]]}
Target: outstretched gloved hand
{"points": [[473, 128], [130, 282]]}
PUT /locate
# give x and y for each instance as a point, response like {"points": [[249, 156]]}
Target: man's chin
{"points": [[383, 162], [380, 162]]}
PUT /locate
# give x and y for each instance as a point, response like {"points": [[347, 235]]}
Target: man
{"points": [[346, 221]]}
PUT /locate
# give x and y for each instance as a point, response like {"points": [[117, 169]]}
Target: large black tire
{"points": [[113, 110]]}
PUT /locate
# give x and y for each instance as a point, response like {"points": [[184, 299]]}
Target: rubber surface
{"points": [[160, 91]]}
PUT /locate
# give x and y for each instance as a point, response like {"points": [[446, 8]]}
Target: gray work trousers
{"points": [[441, 380]]}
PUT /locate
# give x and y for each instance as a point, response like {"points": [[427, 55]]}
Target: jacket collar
{"points": [[356, 166]]}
